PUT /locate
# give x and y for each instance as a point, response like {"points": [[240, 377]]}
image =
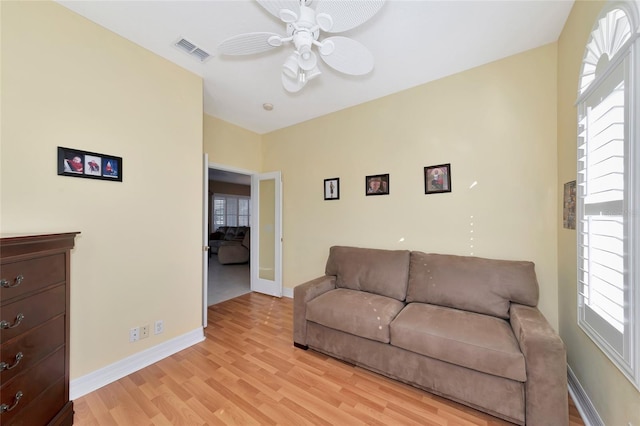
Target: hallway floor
{"points": [[227, 281]]}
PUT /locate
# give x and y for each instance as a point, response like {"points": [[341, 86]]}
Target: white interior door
{"points": [[205, 239], [266, 234]]}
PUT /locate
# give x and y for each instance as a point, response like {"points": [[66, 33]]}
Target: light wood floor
{"points": [[247, 372]]}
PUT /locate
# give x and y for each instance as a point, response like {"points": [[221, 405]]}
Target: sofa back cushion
{"points": [[383, 272], [485, 286], [232, 233]]}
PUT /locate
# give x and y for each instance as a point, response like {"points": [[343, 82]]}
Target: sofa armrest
{"points": [[302, 294], [546, 362]]}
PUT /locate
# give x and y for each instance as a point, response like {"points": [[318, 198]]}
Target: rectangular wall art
{"points": [[377, 185], [332, 189], [85, 164], [437, 179]]}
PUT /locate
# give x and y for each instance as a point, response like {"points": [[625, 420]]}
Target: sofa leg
{"points": [[300, 346]]}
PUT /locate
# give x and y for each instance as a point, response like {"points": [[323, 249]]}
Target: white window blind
{"points": [[231, 210], [608, 266]]}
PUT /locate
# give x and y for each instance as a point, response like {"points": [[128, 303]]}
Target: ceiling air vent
{"points": [[191, 49]]}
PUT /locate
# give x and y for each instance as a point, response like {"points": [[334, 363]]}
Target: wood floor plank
{"points": [[139, 397], [175, 410], [247, 372], [284, 414], [245, 401], [304, 412]]}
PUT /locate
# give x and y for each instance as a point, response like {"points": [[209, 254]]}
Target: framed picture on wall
{"points": [[437, 179], [569, 205], [377, 185], [92, 165], [332, 189]]}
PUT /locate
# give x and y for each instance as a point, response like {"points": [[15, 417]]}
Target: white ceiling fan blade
{"points": [[348, 14], [275, 6], [247, 44], [348, 56]]}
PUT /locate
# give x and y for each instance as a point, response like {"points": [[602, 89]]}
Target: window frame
{"points": [[628, 57]]}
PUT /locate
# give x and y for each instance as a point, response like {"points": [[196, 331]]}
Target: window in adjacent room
{"points": [[231, 210], [609, 188]]}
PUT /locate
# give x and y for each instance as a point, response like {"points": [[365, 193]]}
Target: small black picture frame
{"points": [[332, 189], [376, 185], [437, 179], [87, 164]]}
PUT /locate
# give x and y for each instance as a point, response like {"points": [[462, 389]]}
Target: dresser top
{"points": [[35, 235], [23, 243]]}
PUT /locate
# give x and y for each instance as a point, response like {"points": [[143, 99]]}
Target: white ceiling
{"points": [[413, 42]]}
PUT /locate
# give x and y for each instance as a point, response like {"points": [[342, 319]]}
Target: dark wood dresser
{"points": [[34, 329]]}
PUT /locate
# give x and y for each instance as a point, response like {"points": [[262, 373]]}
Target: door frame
{"points": [[207, 231], [205, 240]]}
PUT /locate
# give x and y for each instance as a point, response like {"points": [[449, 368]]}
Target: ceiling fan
{"points": [[303, 27]]}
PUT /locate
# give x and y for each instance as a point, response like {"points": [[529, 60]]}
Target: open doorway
{"points": [[229, 268]]}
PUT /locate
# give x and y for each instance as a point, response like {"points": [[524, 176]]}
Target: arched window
{"points": [[608, 184]]}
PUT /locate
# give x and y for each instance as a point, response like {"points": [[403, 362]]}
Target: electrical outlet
{"points": [[144, 331], [134, 334], [159, 327]]}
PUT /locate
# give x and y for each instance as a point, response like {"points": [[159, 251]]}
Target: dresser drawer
{"points": [[30, 275], [33, 310], [33, 345], [43, 409], [32, 384]]}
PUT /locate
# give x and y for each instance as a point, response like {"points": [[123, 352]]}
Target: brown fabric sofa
{"points": [[224, 234], [231, 252], [465, 328]]}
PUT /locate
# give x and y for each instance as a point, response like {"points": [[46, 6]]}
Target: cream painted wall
{"points": [[231, 145], [615, 399], [495, 124], [68, 82]]}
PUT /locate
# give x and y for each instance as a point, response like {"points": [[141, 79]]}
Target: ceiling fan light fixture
{"points": [[307, 59], [313, 73], [290, 67], [291, 85]]}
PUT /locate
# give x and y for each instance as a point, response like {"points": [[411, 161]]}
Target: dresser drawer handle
{"points": [[4, 407], [6, 366], [5, 283], [5, 324]]}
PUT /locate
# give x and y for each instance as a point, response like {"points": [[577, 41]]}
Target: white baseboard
{"points": [[102, 377], [584, 405], [287, 292]]}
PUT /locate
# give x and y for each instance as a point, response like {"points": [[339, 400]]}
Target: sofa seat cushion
{"points": [[480, 342], [356, 312]]}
